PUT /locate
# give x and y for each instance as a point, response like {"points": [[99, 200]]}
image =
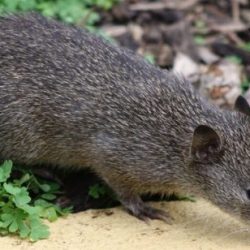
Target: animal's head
{"points": [[220, 160]]}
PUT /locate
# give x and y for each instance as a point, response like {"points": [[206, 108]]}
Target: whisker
{"points": [[241, 230]]}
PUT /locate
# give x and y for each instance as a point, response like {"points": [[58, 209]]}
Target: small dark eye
{"points": [[248, 193]]}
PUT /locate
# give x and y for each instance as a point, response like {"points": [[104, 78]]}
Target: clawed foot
{"points": [[145, 212]]}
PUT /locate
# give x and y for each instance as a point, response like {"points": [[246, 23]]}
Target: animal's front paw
{"points": [[145, 212]]}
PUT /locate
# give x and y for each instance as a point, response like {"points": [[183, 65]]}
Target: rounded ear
{"points": [[242, 105], [205, 144]]}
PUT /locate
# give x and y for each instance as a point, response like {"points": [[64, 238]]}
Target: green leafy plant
{"points": [[96, 191], [24, 202], [245, 84], [71, 11]]}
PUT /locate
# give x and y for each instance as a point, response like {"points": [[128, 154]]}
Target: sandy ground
{"points": [[196, 226]]}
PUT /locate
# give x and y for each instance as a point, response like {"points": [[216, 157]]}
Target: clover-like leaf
{"points": [[5, 170], [38, 229]]}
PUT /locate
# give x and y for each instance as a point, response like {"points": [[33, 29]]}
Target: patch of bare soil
{"points": [[197, 225]]}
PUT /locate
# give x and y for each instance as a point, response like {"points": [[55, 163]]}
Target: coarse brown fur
{"points": [[69, 99]]}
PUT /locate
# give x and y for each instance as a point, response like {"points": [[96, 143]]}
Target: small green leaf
{"points": [[49, 197], [31, 210], [63, 211], [22, 198], [5, 170], [20, 195], [50, 214], [199, 40], [45, 187], [96, 191], [11, 189], [13, 227], [6, 220], [24, 229], [42, 203], [38, 229], [26, 177]]}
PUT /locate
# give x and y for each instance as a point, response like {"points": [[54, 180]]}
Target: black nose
{"points": [[248, 193]]}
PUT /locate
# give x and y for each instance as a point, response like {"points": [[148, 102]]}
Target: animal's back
{"points": [[60, 87]]}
